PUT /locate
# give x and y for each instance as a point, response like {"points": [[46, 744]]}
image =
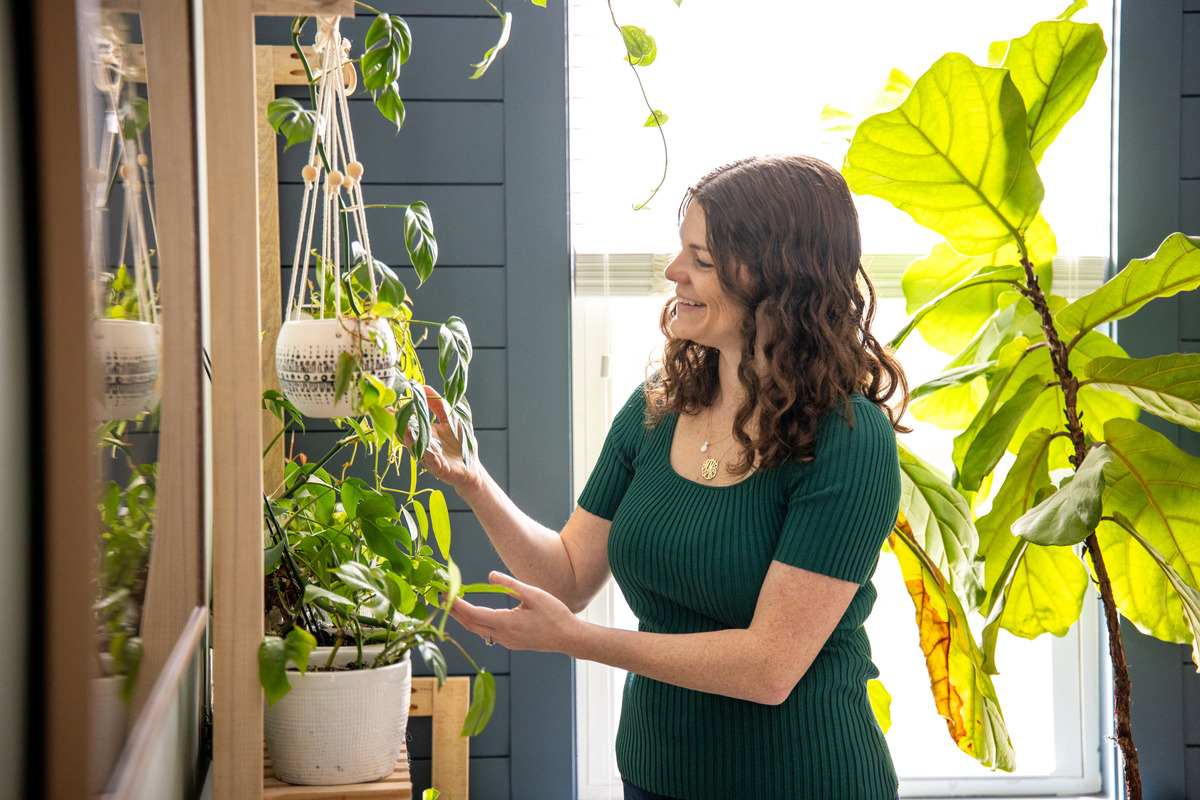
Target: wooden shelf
{"points": [[397, 786]]}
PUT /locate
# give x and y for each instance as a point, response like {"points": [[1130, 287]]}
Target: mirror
{"points": [[126, 339]]}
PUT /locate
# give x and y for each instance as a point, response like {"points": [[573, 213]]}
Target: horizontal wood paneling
{"points": [[439, 65], [441, 142], [1191, 54], [1189, 206], [1191, 701], [1189, 156], [489, 777], [468, 222]]}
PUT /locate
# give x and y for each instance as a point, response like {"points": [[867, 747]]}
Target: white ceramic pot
{"points": [[129, 352], [341, 726], [109, 726], [306, 357]]}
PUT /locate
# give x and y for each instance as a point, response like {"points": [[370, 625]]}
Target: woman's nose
{"points": [[674, 271]]}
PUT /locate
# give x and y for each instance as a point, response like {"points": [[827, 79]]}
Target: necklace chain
{"points": [[711, 466]]}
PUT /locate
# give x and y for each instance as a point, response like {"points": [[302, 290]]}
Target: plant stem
{"points": [[1070, 386], [645, 99]]}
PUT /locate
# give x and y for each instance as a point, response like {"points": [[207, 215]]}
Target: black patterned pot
{"points": [[306, 358]]}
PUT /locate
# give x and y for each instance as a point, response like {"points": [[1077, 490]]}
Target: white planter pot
{"points": [[128, 350], [109, 726], [306, 357], [339, 727]]}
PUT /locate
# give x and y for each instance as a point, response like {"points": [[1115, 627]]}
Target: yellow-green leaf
{"points": [[1175, 267], [881, 703], [1167, 386], [962, 691], [1054, 67], [954, 156], [1189, 596], [1069, 515], [941, 521], [1155, 485], [439, 516]]}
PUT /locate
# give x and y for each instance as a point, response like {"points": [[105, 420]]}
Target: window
{"points": [[752, 77]]}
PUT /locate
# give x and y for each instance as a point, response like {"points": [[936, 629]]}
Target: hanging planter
{"points": [[339, 726], [338, 330], [126, 336]]}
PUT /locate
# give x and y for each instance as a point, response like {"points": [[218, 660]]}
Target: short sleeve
{"points": [[843, 503], [610, 477]]}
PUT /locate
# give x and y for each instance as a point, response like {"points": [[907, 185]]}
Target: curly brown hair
{"points": [[783, 233]]}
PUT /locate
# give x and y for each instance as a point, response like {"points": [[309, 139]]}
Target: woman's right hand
{"points": [[443, 459]]}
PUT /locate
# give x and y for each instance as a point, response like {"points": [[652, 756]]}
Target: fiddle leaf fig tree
{"points": [[1093, 496]]}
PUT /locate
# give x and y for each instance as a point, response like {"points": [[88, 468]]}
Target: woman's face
{"points": [[704, 313]]}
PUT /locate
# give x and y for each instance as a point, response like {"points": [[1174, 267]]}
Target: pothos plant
{"points": [[1092, 497]]}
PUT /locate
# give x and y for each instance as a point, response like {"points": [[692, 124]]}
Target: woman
{"points": [[740, 501]]}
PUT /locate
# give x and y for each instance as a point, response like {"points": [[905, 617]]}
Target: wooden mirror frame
{"points": [[176, 613]]}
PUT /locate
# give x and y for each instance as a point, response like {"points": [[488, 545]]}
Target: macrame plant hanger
{"points": [[331, 153], [306, 357]]}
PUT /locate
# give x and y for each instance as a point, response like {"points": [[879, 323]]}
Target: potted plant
{"points": [[354, 586], [1093, 497]]}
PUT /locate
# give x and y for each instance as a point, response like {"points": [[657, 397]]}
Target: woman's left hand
{"points": [[540, 622]]}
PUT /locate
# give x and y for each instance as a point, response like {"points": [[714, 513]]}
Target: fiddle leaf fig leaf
{"points": [[881, 703], [962, 691], [991, 441], [1167, 386], [941, 521], [419, 239], [958, 376], [1188, 596], [387, 45], [1054, 67], [949, 335], [1154, 485], [490, 56], [954, 156], [483, 701], [640, 49], [1012, 355], [1174, 268], [1071, 514], [952, 406], [288, 118]]}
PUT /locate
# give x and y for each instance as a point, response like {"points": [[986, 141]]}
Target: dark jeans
{"points": [[634, 793]]}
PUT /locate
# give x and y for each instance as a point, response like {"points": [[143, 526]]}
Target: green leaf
{"points": [[949, 323], [343, 374], [640, 49], [1155, 485], [1174, 268], [388, 101], [133, 116], [1189, 597], [1054, 67], [312, 593], [440, 517], [952, 378], [273, 656], [1167, 386], [881, 703], [988, 444], [952, 406], [434, 660], [381, 540], [419, 239], [288, 118], [656, 119], [490, 56], [954, 156], [1031, 590], [962, 690], [944, 332], [941, 521], [272, 557], [1071, 514], [483, 701], [1071, 10], [387, 45]]}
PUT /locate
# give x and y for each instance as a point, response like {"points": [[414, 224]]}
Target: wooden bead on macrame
{"points": [[354, 169], [308, 173], [335, 178], [124, 172], [143, 159]]}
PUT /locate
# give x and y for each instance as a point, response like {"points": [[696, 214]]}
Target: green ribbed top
{"points": [[691, 557]]}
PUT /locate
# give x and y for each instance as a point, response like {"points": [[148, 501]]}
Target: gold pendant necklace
{"points": [[710, 467]]}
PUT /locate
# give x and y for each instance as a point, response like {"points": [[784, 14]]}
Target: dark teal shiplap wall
{"points": [[489, 157], [1157, 191]]}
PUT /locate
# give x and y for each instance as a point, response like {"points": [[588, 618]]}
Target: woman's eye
{"points": [[703, 264]]}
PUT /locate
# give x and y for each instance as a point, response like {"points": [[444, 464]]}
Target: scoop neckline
{"points": [[666, 456]]}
